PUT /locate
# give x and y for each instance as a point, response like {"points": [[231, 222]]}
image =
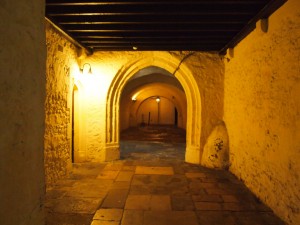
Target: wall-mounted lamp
{"points": [[133, 99], [157, 99], [82, 70]]}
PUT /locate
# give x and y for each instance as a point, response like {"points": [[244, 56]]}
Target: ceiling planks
{"points": [[194, 25]]}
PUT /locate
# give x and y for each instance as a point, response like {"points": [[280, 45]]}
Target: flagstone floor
{"points": [[152, 185]]}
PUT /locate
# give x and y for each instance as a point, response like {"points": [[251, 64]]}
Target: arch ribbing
{"points": [[185, 77]]}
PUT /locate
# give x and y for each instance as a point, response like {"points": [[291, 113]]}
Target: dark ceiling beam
{"points": [[153, 34], [155, 8], [139, 2], [152, 27], [194, 25], [158, 48], [151, 39], [158, 42], [146, 23], [149, 18], [141, 13]]}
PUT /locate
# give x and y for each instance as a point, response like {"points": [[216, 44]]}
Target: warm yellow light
{"points": [[157, 99], [133, 98], [86, 69]]}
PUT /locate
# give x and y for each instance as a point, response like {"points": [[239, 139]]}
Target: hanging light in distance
{"points": [[157, 99]]}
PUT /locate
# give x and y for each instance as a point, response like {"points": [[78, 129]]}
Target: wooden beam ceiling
{"points": [[194, 25]]}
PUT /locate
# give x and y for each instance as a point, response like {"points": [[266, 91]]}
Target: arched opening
{"points": [[147, 106], [156, 110], [186, 79]]}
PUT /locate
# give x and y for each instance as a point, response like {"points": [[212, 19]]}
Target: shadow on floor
{"points": [[152, 185]]}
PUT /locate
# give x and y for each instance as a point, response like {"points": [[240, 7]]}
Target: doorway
{"points": [[75, 124]]}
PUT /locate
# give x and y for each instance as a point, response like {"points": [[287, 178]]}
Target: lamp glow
{"points": [[84, 71]]}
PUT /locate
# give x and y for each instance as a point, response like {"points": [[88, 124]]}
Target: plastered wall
{"points": [[134, 113], [202, 71], [22, 95], [60, 67], [262, 111], [206, 68]]}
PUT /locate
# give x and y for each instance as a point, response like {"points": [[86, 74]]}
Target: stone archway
{"points": [[185, 77]]}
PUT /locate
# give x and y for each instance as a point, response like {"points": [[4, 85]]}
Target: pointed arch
{"points": [[185, 77]]}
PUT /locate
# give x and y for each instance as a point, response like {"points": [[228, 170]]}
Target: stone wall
{"points": [[262, 111], [206, 68], [61, 62], [208, 71], [22, 95]]}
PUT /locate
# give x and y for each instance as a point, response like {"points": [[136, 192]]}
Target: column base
{"points": [[192, 154], [112, 152]]}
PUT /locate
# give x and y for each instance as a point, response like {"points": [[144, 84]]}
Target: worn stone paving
{"points": [[152, 185]]}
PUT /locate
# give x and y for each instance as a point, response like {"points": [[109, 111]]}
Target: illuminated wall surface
{"points": [[22, 114], [249, 100], [262, 111]]}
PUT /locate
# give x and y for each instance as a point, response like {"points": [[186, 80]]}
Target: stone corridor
{"points": [[152, 185]]}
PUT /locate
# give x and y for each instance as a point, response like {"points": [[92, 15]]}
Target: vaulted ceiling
{"points": [[167, 25]]}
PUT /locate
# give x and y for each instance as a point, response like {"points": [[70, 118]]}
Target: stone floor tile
{"points": [[77, 205], [170, 218], [218, 191], [230, 198], [262, 207], [209, 180], [141, 180], [54, 194], [89, 189], [128, 163], [182, 203], [140, 190], [154, 170], [115, 166], [125, 176], [216, 218], [197, 191], [138, 202], [208, 206], [207, 198], [128, 168], [244, 206], [270, 219], [68, 218], [160, 202], [116, 198], [120, 185], [160, 190], [235, 206], [192, 175], [108, 215], [133, 217], [108, 175], [249, 218], [192, 189], [99, 222], [86, 170], [208, 185], [183, 190]]}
